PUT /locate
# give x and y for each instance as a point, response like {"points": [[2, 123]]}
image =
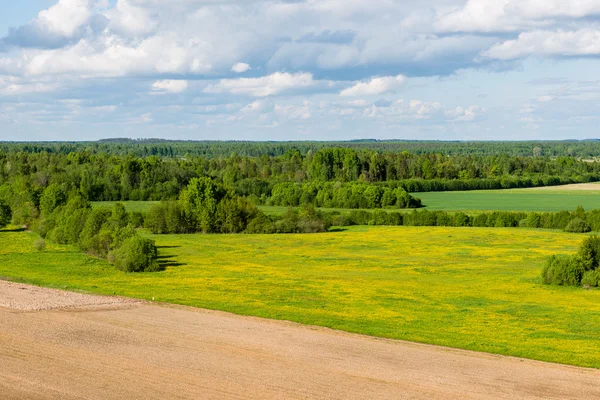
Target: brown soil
{"points": [[584, 187], [125, 350]]}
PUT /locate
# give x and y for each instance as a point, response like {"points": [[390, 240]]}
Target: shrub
{"points": [[341, 220], [590, 279], [40, 245], [260, 224], [563, 271], [589, 252], [577, 225], [137, 254]]}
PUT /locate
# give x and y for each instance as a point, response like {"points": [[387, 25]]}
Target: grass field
{"points": [[511, 200], [469, 288]]}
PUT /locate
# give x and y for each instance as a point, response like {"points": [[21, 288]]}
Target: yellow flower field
{"points": [[470, 288]]}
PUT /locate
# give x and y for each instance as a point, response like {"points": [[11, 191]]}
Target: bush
{"points": [[260, 225], [577, 225], [563, 271], [137, 254], [341, 220], [589, 252], [590, 279], [40, 245]]}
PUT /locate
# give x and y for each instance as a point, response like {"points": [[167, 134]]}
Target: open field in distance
{"points": [[468, 288], [511, 200]]}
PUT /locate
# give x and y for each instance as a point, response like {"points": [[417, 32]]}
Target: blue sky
{"points": [[299, 69]]}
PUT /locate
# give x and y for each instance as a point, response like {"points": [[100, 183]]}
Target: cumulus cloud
{"points": [[583, 42], [170, 86], [13, 86], [58, 25], [261, 87], [375, 86], [345, 59], [513, 15], [240, 68], [465, 114], [292, 112]]}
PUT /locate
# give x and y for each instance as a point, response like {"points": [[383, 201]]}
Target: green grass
{"points": [[468, 288], [510, 200]]}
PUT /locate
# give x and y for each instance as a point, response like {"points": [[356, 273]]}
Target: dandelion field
{"points": [[470, 288]]}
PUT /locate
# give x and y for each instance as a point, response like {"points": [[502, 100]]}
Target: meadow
{"points": [[511, 200], [470, 288]]}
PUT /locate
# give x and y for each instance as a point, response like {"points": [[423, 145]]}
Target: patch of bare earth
{"points": [[147, 351], [584, 187]]}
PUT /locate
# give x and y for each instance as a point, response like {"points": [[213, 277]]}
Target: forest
{"points": [[289, 179], [172, 148]]}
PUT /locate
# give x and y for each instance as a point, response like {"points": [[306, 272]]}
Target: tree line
{"points": [[263, 179], [211, 149], [578, 221]]}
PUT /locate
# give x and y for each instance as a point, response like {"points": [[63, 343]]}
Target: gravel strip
{"points": [[18, 296]]}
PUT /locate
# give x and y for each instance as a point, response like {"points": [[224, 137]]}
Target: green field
{"points": [[511, 200], [470, 288]]}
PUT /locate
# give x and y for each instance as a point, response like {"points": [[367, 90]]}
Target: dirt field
{"points": [[584, 187], [88, 347]]}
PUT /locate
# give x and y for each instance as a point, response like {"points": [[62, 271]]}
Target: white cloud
{"points": [[13, 86], [513, 15], [375, 86], [65, 17], [130, 20], [240, 67], [293, 112], [583, 42], [546, 98], [170, 86], [261, 87], [465, 114], [256, 106]]}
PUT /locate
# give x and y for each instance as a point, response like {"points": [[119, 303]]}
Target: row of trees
{"points": [[581, 269], [341, 195], [105, 177], [562, 220], [212, 149], [209, 207]]}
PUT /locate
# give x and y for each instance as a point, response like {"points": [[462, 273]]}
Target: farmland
{"points": [[538, 199], [469, 288]]}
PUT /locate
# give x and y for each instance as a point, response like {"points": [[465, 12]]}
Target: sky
{"points": [[300, 69]]}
